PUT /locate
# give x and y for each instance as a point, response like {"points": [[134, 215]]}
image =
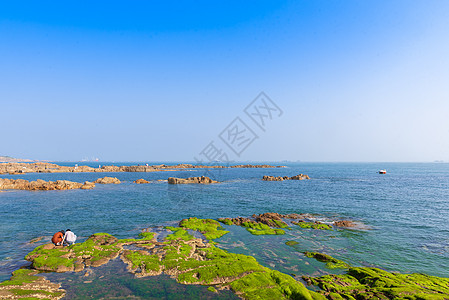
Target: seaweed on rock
{"points": [[331, 262], [313, 225], [211, 229], [24, 284], [374, 283]]}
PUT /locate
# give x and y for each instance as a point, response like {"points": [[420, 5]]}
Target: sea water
{"points": [[405, 213]]}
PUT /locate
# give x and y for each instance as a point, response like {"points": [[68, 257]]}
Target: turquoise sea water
{"points": [[406, 213]]}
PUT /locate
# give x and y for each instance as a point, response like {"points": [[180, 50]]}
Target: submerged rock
{"points": [[331, 263], [197, 180], [291, 243]]}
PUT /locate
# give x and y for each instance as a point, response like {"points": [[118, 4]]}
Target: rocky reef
{"points": [[189, 254], [374, 283], [185, 258], [25, 285], [197, 180], [280, 178], [42, 167], [42, 185]]}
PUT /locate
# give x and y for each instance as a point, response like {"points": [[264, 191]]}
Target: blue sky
{"points": [[356, 80]]}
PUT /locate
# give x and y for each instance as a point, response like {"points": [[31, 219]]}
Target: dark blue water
{"points": [[406, 211]]}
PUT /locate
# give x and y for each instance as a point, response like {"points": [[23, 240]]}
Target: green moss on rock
{"points": [[291, 243], [261, 229], [96, 250], [374, 283], [211, 229], [179, 233], [21, 276], [23, 284], [331, 262], [212, 289], [313, 225], [141, 259], [226, 221]]}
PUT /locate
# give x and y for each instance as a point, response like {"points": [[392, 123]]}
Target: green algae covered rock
{"points": [[145, 237], [373, 283], [291, 243], [257, 228], [25, 285], [261, 229], [272, 284], [331, 263], [179, 233], [194, 262], [211, 229], [313, 225], [97, 250]]}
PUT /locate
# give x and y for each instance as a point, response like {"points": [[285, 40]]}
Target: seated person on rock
{"points": [[69, 237], [58, 238]]}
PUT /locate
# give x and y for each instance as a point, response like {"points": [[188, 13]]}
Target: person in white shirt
{"points": [[69, 237]]}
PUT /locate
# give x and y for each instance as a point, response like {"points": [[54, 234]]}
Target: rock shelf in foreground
{"points": [[25, 285], [191, 260]]}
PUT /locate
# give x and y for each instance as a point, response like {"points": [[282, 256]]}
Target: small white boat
{"points": [[382, 171]]}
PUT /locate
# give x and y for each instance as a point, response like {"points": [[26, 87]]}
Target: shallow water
{"points": [[406, 211]]}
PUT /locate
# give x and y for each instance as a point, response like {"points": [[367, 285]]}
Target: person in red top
{"points": [[58, 238]]}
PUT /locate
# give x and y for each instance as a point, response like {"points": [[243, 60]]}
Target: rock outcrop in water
{"points": [[141, 181], [197, 180], [42, 185], [279, 178], [345, 223], [108, 180]]}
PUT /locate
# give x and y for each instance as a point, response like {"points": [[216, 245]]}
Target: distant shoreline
{"points": [[44, 167]]}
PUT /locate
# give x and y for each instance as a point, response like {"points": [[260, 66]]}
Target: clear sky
{"points": [[159, 80]]}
